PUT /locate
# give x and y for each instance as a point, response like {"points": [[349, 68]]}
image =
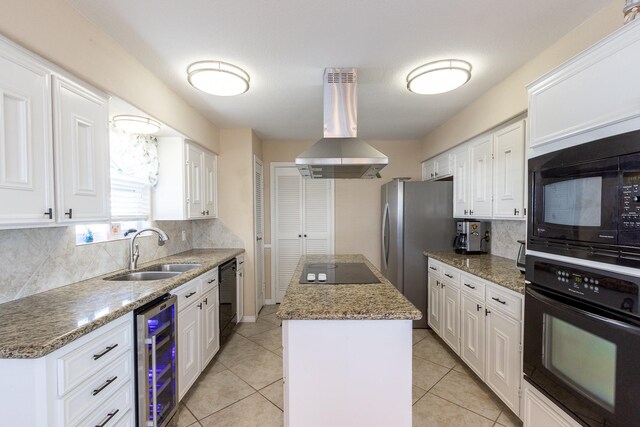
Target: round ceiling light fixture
{"points": [[439, 76], [218, 78], [136, 124]]}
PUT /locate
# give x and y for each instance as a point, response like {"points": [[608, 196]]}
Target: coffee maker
{"points": [[469, 237]]}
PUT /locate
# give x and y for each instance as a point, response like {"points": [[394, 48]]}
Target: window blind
{"points": [[130, 198]]}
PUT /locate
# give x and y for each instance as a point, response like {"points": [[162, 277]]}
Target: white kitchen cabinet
{"points": [[461, 184], [563, 113], [210, 318], [240, 287], [81, 136], [481, 174], [303, 222], [57, 390], [26, 156], [450, 304], [434, 318], [189, 348], [538, 410], [472, 333], [439, 167], [508, 173], [187, 181]]}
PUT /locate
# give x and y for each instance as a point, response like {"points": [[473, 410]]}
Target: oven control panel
{"points": [[630, 201], [613, 290]]}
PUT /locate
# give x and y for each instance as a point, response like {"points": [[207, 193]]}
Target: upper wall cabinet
{"points": [[73, 123], [593, 95], [508, 171], [437, 168], [81, 136], [187, 181]]}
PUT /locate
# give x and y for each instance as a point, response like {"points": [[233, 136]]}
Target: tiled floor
{"points": [[243, 385]]}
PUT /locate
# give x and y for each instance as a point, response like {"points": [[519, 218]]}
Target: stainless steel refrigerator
{"points": [[417, 216]]}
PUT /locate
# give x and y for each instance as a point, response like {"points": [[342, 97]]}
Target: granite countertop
{"points": [[376, 301], [35, 326], [496, 269]]}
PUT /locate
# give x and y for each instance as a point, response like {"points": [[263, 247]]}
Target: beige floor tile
{"points": [[271, 318], [237, 350], [271, 340], [213, 392], [467, 391], [184, 418], [427, 374], [419, 334], [275, 394], [417, 393], [269, 309], [213, 367], [434, 351], [254, 411], [509, 419], [249, 329], [462, 367], [433, 411], [259, 371]]}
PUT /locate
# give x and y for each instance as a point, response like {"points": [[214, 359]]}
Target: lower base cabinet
{"points": [[210, 310], [188, 348], [444, 309], [538, 411], [472, 333], [504, 370]]}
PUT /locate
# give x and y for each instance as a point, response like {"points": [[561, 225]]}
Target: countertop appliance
{"points": [[157, 362], [227, 287], [417, 216], [582, 340], [469, 237], [584, 201], [521, 260], [337, 274]]}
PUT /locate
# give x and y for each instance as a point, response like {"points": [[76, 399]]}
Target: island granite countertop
{"points": [[376, 301], [496, 269], [37, 325]]}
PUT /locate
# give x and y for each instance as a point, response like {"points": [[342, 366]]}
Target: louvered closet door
{"points": [[258, 193], [287, 241], [318, 213]]}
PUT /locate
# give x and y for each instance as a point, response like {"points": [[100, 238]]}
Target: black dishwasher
{"points": [[228, 298]]}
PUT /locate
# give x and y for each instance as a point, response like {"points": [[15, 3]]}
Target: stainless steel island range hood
{"points": [[340, 154]]}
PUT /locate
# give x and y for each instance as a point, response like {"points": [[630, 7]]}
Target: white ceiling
{"points": [[286, 44]]}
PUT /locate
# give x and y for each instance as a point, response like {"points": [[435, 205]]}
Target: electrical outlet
{"points": [[184, 235]]}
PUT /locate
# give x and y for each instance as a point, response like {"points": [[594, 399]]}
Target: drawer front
{"points": [[504, 300], [473, 286], [435, 267], [127, 420], [188, 293], [451, 273], [80, 364], [112, 411], [209, 280], [92, 393]]}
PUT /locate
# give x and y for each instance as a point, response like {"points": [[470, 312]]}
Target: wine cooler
{"points": [[157, 363]]}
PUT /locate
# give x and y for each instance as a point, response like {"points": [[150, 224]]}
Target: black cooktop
{"points": [[338, 273]]}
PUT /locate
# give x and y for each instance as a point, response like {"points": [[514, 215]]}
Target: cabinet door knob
{"points": [[465, 211], [203, 212], [207, 212], [69, 214], [206, 302], [305, 235], [431, 174], [200, 306], [486, 312], [50, 213], [299, 235], [478, 307], [470, 212], [516, 211]]}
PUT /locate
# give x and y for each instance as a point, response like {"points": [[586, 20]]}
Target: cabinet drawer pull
{"points": [[469, 286], [433, 268], [448, 275], [498, 299], [103, 386], [49, 213], [241, 262], [190, 294], [103, 352], [211, 281], [108, 418], [69, 214]]}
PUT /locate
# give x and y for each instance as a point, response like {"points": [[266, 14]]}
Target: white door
{"points": [[481, 173], [210, 187], [508, 148], [472, 331], [435, 318], [240, 288], [81, 138], [189, 344], [451, 319], [503, 358], [318, 217], [26, 158], [210, 328], [258, 223], [461, 203], [195, 205]]}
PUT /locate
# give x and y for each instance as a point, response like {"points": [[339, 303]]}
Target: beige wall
{"points": [[357, 201], [509, 98], [56, 31], [235, 197]]}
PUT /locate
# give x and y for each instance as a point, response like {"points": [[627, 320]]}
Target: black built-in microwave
{"points": [[584, 201]]}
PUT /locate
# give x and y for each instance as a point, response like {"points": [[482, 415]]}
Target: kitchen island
{"points": [[347, 351]]}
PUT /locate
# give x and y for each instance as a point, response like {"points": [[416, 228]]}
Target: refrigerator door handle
{"points": [[385, 236]]}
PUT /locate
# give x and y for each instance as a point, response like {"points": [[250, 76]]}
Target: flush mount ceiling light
{"points": [[439, 76], [136, 124], [218, 78]]}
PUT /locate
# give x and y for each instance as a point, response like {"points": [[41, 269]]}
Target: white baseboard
{"points": [[269, 302], [248, 319]]}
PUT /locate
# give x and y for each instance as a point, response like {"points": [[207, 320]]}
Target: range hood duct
{"points": [[340, 154]]}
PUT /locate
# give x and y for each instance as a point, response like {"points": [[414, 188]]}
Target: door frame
{"points": [[258, 161]]}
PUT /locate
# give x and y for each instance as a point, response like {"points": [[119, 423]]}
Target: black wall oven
{"points": [[584, 201], [582, 341]]}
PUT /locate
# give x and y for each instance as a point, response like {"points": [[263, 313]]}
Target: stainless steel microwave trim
{"points": [[340, 154]]}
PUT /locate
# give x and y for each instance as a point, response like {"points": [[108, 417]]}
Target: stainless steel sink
{"points": [[173, 267], [144, 275]]}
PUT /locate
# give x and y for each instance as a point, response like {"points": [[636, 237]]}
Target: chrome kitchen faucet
{"points": [[134, 251]]}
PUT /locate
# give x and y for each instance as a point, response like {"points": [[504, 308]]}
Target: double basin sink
{"points": [[156, 272]]}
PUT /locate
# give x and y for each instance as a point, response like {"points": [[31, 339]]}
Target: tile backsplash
{"points": [[504, 237], [38, 259]]}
